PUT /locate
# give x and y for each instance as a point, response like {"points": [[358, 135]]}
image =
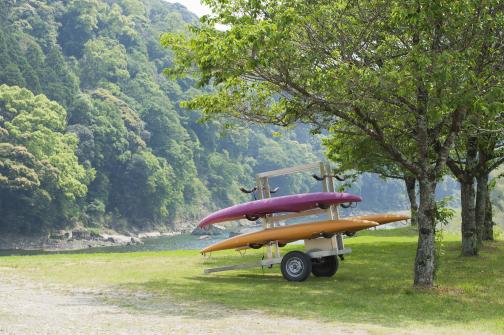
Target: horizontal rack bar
{"points": [[291, 170]]}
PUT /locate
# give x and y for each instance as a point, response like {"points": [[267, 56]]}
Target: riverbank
{"points": [[370, 294], [68, 240], [93, 238]]}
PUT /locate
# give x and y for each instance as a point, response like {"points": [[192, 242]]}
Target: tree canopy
{"points": [[38, 157], [407, 75]]}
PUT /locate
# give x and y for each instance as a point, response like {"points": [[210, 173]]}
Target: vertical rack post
{"points": [[259, 188], [270, 219], [323, 175], [330, 188], [263, 191], [337, 239]]}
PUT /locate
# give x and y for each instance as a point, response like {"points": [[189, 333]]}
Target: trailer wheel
{"points": [[325, 266], [296, 266]]}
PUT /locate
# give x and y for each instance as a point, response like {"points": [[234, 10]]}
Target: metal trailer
{"points": [[321, 254]]}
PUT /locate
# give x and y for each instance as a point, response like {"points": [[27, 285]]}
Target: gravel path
{"points": [[28, 307]]}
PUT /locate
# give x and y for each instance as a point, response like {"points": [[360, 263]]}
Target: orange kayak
{"points": [[291, 233], [378, 218], [303, 231], [381, 218]]}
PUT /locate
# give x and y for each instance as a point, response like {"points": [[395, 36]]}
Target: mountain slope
{"points": [[151, 162]]}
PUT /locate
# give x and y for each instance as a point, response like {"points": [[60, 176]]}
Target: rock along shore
{"points": [[74, 240]]}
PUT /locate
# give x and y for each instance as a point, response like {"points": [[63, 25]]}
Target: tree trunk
{"points": [[488, 234], [410, 188], [469, 230], [481, 207], [426, 251]]}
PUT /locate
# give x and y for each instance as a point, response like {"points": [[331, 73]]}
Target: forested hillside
{"points": [[92, 132]]}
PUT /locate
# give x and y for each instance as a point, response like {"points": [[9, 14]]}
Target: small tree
{"points": [[476, 154], [490, 158], [399, 71]]}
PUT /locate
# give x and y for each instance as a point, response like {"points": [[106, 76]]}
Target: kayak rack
{"points": [[318, 249]]}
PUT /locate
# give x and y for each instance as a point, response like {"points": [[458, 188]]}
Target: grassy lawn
{"points": [[372, 287]]}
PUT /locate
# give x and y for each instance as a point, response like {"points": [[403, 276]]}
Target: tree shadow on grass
{"points": [[372, 286], [344, 299]]}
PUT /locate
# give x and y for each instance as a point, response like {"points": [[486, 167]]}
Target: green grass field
{"points": [[372, 287]]}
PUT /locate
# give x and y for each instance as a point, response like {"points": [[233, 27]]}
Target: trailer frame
{"points": [[315, 248]]}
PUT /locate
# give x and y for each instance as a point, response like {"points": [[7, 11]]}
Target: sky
{"points": [[194, 6]]}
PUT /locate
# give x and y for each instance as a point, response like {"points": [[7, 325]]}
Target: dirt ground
{"points": [[28, 307]]}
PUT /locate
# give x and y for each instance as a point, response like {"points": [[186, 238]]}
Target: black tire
{"points": [[296, 266], [325, 266]]}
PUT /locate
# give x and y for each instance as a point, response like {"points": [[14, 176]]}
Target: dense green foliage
{"points": [[40, 177], [97, 136]]}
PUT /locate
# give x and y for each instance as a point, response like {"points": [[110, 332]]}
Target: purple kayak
{"points": [[289, 203]]}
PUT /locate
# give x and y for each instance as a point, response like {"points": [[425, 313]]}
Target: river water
{"points": [[178, 242]]}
